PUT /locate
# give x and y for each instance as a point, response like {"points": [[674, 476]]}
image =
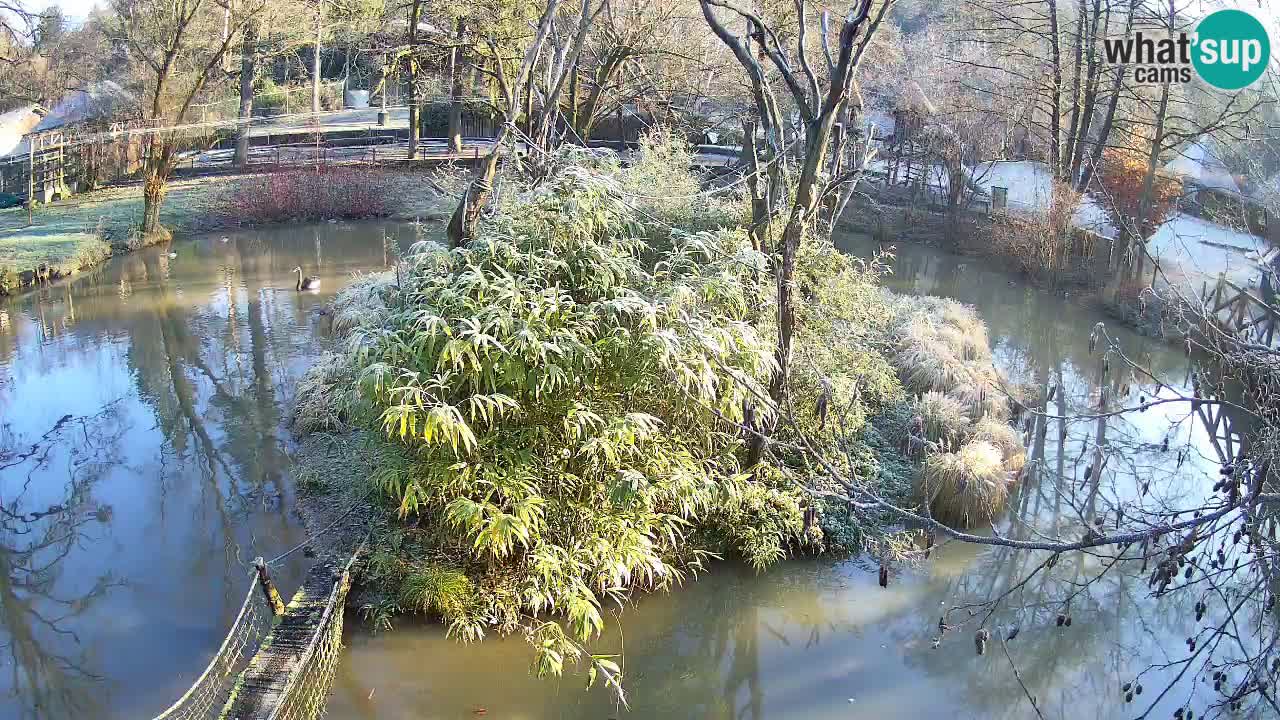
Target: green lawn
{"points": [[73, 234], [76, 233]]}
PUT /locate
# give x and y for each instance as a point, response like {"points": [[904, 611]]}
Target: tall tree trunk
{"points": [[1108, 122], [610, 66], [1055, 97], [248, 69], [315, 59], [1143, 221], [1077, 71], [759, 199], [415, 129], [155, 186], [803, 212], [1090, 100], [455, 89]]}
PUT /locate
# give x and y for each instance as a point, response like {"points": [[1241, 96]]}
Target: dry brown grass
{"points": [[1005, 438], [968, 487], [943, 348], [925, 359], [1040, 242], [944, 418], [965, 331], [981, 398]]}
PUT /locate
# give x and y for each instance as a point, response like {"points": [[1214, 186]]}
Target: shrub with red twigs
{"points": [[308, 194]]}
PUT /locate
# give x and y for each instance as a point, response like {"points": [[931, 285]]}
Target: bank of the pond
{"points": [[1084, 278], [81, 232]]}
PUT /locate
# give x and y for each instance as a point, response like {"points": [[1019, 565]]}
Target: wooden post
{"points": [[31, 179], [269, 588]]}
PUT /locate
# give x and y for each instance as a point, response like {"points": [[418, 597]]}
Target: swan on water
{"points": [[309, 282]]}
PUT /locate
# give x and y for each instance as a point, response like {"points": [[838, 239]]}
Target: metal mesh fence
{"points": [[216, 685]]}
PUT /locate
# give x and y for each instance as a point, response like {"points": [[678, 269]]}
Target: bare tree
{"points": [[180, 47], [511, 91], [820, 100]]}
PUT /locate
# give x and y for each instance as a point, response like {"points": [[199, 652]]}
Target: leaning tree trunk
{"points": [[462, 224], [248, 68]]}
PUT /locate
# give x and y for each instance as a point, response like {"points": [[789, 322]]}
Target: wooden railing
{"points": [[1238, 311]]}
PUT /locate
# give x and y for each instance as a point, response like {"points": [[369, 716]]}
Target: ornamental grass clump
{"points": [[943, 418], [942, 347], [1004, 437], [943, 354], [967, 487]]}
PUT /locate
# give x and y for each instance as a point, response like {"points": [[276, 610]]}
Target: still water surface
{"points": [[143, 462], [819, 638]]}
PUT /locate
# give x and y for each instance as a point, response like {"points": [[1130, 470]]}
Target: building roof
{"points": [[1199, 164], [16, 123], [98, 101], [1030, 189]]}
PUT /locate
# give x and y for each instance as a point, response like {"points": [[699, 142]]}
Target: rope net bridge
{"points": [[277, 662]]}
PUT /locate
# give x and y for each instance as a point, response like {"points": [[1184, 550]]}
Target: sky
{"points": [[1267, 10], [1262, 8], [70, 8]]}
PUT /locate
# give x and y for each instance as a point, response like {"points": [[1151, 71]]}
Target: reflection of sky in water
{"points": [[126, 527], [820, 639]]}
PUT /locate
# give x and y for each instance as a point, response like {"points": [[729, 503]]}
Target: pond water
{"points": [[144, 461], [819, 638]]}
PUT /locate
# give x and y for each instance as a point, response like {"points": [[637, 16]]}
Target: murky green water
{"points": [[143, 462], [820, 638]]}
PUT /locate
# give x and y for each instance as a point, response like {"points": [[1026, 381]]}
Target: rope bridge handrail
{"points": [[290, 676], [307, 688], [212, 690], [276, 662]]}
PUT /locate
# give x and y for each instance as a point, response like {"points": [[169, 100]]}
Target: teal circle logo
{"points": [[1232, 49]]}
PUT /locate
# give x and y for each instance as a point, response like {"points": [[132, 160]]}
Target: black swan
{"points": [[306, 283]]}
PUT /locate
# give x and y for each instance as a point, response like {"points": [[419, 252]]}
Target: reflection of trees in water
{"points": [[211, 375], [47, 670], [718, 633], [227, 428], [1074, 671]]}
